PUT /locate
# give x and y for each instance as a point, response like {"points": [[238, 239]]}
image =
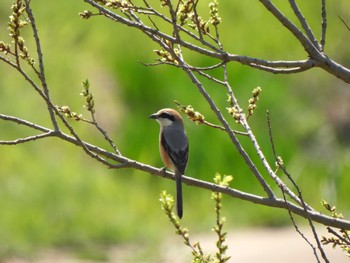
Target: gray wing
{"points": [[175, 143]]}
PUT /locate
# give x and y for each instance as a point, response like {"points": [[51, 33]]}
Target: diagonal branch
{"points": [[229, 131], [124, 162], [304, 41], [323, 61], [303, 204], [41, 63], [304, 23], [255, 143], [343, 21], [317, 58]]}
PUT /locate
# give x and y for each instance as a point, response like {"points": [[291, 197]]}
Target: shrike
{"points": [[173, 147]]}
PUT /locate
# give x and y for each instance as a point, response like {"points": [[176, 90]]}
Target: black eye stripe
{"points": [[165, 115]]}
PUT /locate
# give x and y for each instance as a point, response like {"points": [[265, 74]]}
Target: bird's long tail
{"points": [[179, 208]]}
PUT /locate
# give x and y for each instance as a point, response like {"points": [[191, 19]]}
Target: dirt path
{"points": [[273, 245], [260, 245]]}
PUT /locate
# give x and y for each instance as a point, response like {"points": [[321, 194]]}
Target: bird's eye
{"points": [[165, 115]]}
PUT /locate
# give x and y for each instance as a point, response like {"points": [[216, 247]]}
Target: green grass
{"points": [[52, 195]]}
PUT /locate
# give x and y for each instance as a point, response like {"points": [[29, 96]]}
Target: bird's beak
{"points": [[153, 116]]}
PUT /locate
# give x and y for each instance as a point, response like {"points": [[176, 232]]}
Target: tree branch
{"points": [[27, 139], [323, 61], [173, 44], [168, 42], [41, 63], [304, 23], [323, 25], [120, 161], [303, 204]]}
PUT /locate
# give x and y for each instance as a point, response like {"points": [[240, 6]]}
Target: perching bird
{"points": [[173, 147]]}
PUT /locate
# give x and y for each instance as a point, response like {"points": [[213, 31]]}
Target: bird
{"points": [[173, 148]]}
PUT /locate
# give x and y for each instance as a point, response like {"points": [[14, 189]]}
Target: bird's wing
{"points": [[176, 145]]}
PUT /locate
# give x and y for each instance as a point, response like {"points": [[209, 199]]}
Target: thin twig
{"points": [[27, 139], [24, 122], [323, 25], [105, 134], [210, 77], [228, 129], [193, 68], [343, 21], [281, 70], [51, 106], [299, 231], [304, 41], [304, 205], [196, 17], [223, 129], [41, 63], [255, 143], [346, 241], [173, 20], [183, 29]]}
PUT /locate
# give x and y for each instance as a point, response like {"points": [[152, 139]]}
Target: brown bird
{"points": [[173, 147]]}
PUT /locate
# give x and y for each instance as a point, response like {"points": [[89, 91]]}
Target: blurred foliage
{"points": [[51, 194]]}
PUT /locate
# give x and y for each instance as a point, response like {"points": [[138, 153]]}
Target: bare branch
{"points": [[323, 25], [24, 122], [299, 231], [304, 41], [223, 129], [317, 58], [279, 70], [302, 64], [323, 60], [210, 77], [27, 139], [343, 21], [304, 23], [304, 205], [276, 202], [129, 163], [41, 63], [346, 241], [90, 106], [173, 44], [255, 143], [232, 135], [316, 216]]}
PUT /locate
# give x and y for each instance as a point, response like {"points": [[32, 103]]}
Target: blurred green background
{"points": [[53, 195]]}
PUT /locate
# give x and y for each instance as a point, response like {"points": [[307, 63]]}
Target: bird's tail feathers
{"points": [[179, 207]]}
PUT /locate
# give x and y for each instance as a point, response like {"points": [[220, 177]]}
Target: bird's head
{"points": [[167, 117]]}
